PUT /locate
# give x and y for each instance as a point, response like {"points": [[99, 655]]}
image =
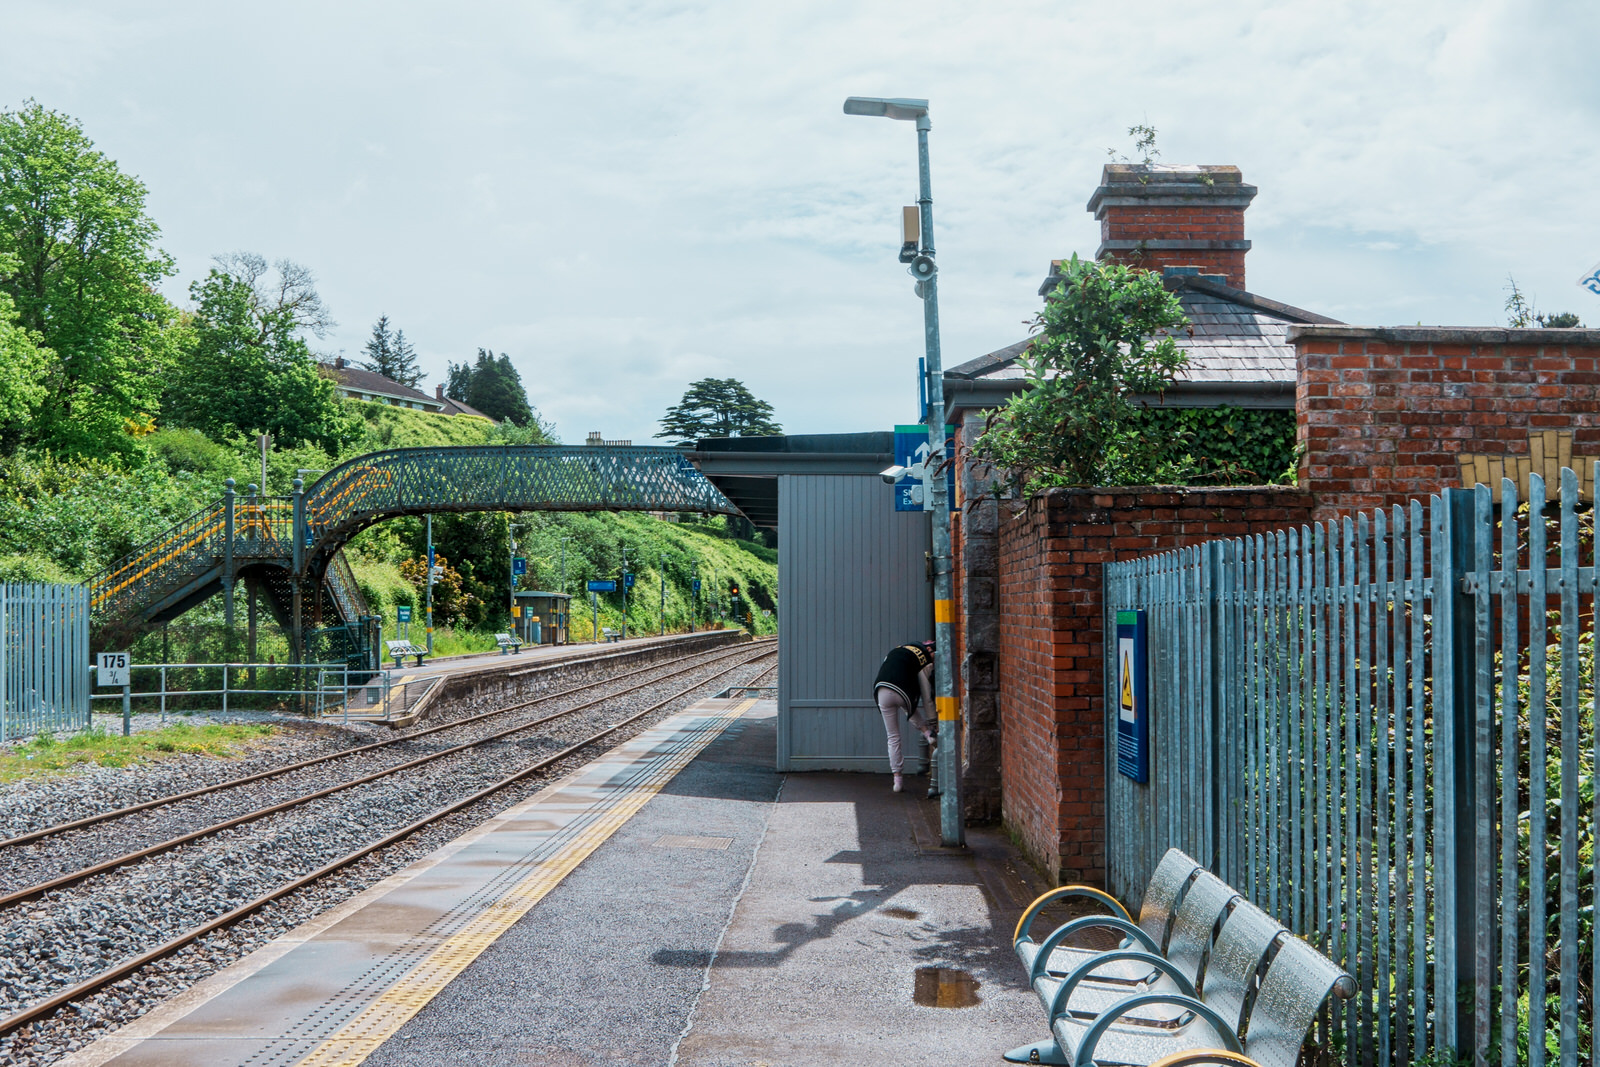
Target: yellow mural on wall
{"points": [[1548, 451]]}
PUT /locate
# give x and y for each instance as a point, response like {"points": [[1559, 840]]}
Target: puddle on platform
{"points": [[945, 987], [902, 913]]}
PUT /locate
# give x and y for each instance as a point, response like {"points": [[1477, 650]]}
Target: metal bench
{"points": [[508, 643], [610, 634], [1086, 992], [401, 649], [1149, 1024], [1167, 884]]}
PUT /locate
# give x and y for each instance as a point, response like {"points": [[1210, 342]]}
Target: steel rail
{"points": [[273, 772], [127, 967], [84, 873]]}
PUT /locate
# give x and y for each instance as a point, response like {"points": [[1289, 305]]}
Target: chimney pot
{"points": [[338, 363], [1161, 217], [438, 391]]}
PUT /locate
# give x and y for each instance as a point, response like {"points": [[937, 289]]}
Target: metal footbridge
{"points": [[290, 546]]}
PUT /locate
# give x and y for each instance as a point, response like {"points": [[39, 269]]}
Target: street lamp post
{"points": [[924, 269]]}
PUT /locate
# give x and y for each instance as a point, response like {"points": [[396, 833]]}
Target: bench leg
{"points": [[1046, 1051]]}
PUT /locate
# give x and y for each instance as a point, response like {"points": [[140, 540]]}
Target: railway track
{"points": [[741, 658], [398, 741]]}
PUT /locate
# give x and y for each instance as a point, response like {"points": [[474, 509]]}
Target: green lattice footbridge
{"points": [[291, 545]]}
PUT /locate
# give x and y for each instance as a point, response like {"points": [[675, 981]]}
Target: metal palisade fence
{"points": [[44, 658], [1382, 731]]}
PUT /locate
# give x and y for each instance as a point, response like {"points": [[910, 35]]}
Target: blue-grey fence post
{"points": [[1455, 866]]}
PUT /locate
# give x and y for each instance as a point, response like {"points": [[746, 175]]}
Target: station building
{"points": [[1381, 415]]}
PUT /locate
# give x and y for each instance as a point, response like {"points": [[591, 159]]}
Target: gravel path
{"points": [[73, 933]]}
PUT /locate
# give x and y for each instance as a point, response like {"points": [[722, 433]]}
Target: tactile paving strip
{"points": [[473, 925]]}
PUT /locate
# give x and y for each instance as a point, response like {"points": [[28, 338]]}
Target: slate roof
{"points": [[461, 407], [366, 381], [1239, 338]]}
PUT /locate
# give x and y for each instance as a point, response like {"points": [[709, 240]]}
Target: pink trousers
{"points": [[893, 705]]}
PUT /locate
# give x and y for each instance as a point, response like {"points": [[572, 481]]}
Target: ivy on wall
{"points": [[1224, 446]]}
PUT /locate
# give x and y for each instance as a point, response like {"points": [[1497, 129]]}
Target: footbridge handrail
{"points": [[299, 536]]}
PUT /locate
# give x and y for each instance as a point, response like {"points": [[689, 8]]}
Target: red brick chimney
{"points": [[1155, 216]]}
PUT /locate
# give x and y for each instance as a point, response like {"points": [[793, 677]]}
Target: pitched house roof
{"points": [[360, 384], [459, 407], [366, 383], [1239, 351]]}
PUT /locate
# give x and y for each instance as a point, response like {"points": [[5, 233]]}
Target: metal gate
{"points": [[1382, 731], [44, 658]]}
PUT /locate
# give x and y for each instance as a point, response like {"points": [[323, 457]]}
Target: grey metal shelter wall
{"points": [[855, 584]]}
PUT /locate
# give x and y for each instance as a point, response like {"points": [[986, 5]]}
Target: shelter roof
{"points": [[746, 469]]}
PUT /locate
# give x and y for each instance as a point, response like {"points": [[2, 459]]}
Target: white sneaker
{"points": [[899, 783]]}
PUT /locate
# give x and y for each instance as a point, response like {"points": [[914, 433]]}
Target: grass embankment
{"points": [[46, 755]]}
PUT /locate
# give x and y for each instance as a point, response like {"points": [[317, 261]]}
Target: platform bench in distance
{"points": [[508, 643], [401, 649], [610, 634]]}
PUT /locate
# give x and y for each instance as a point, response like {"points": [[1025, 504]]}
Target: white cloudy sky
{"points": [[625, 196]]}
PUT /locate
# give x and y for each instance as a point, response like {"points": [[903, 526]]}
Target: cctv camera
{"points": [[894, 474]]}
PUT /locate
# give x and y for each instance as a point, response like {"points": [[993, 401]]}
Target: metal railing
{"points": [[294, 533], [1383, 732], [322, 690], [44, 653]]}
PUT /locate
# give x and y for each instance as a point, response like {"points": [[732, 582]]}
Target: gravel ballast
{"points": [[70, 934]]}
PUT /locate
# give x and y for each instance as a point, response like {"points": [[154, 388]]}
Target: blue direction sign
{"points": [[602, 585], [627, 579], [910, 449], [519, 566], [695, 585]]}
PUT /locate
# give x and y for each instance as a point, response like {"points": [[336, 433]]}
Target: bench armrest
{"points": [[1088, 922], [1025, 924], [1063, 994], [1210, 1056], [1102, 1023]]}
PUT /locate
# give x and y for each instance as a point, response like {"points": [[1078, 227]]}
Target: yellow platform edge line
{"points": [[380, 1020]]}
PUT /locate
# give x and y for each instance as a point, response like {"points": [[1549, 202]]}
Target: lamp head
{"points": [[907, 109]]}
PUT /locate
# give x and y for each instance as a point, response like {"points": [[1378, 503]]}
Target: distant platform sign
{"points": [[602, 585]]}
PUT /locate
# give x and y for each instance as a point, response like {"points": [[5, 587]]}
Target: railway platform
{"points": [[676, 901]]}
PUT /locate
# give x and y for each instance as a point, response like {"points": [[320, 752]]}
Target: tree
{"points": [[391, 355], [81, 270], [249, 371], [718, 407], [22, 367], [493, 386], [457, 380], [1105, 337]]}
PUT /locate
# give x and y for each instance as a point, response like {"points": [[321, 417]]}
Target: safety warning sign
{"points": [[1132, 694]]}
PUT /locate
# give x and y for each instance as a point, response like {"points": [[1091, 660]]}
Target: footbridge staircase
{"points": [[290, 547]]}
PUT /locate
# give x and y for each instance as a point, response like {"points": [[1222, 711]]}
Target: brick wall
{"points": [[1050, 619], [1385, 415]]}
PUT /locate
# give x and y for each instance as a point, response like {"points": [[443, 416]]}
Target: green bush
{"points": [[1223, 446]]}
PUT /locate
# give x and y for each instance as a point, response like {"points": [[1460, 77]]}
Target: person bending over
{"points": [[904, 681]]}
